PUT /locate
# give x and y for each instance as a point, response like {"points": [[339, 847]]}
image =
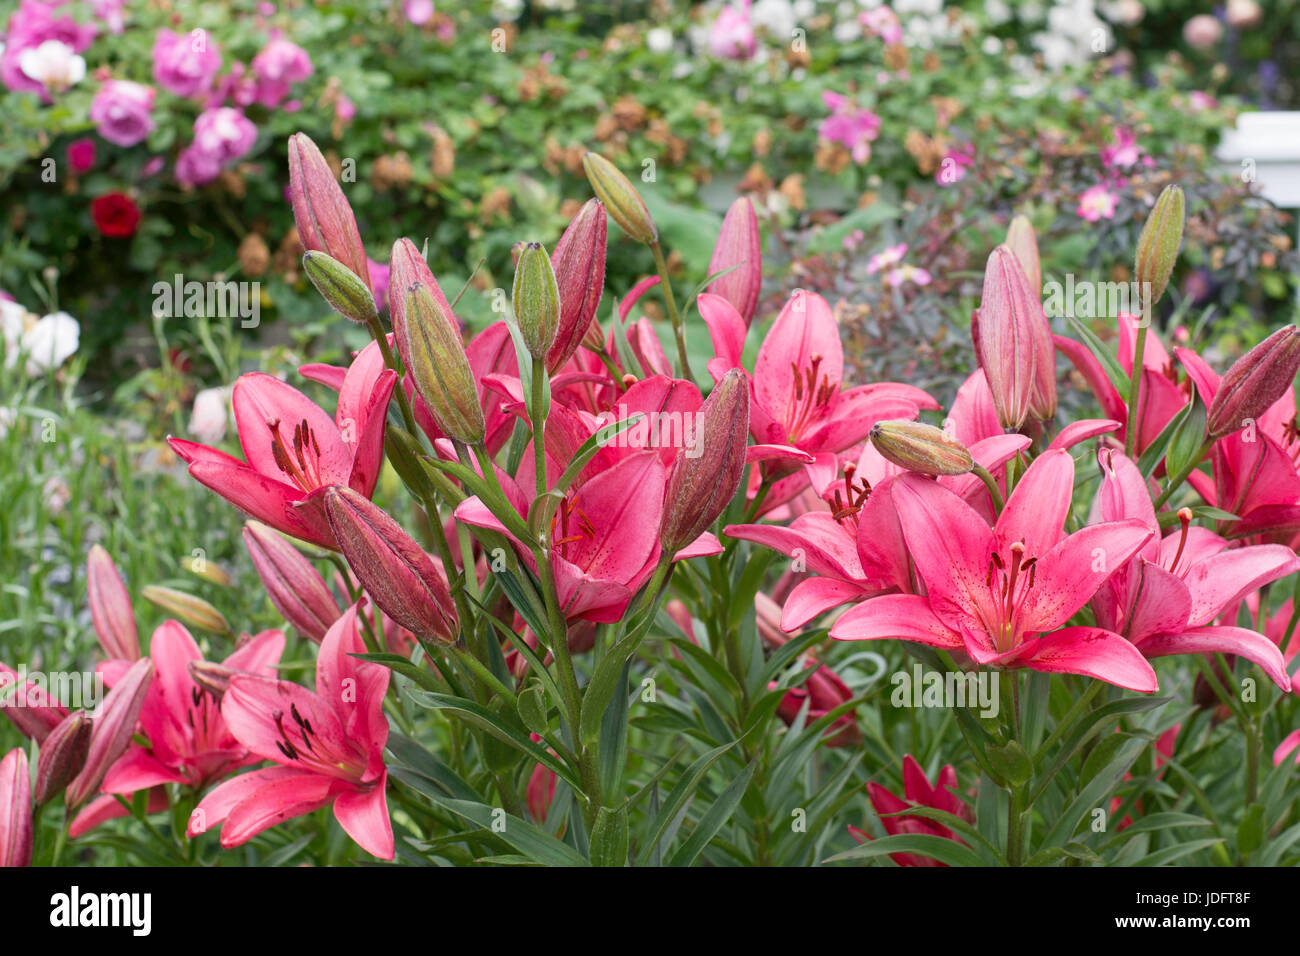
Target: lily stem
{"points": [[678, 330]]}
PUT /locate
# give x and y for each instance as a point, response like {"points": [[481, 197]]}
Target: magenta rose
{"points": [[280, 64], [81, 155], [185, 63], [121, 112]]}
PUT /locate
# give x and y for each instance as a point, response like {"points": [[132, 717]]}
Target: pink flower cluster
{"points": [[32, 25], [850, 125]]}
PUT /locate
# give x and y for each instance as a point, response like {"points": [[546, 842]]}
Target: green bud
{"points": [[338, 285], [190, 609], [440, 366], [620, 197], [920, 447], [536, 300], [1157, 249]]}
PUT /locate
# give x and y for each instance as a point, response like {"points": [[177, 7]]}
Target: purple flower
{"points": [[238, 86], [112, 12], [121, 112], [221, 136], [849, 125], [732, 34], [419, 12], [185, 64], [280, 64], [379, 282], [32, 24], [81, 155]]}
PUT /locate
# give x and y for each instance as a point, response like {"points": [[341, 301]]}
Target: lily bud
{"points": [[321, 211], [440, 368], [739, 245], [407, 267], [16, 833], [207, 570], [110, 607], [190, 609], [595, 337], [920, 447], [1158, 245], [1255, 381], [113, 726], [212, 677], [620, 197], [346, 293], [295, 587], [1005, 337], [536, 300], [579, 264], [394, 570], [1024, 244], [29, 705], [62, 756], [700, 487]]}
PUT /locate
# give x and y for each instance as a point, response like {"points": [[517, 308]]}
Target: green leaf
{"points": [[1114, 371], [501, 726], [932, 847], [677, 799], [1250, 832], [1093, 795], [714, 819], [534, 843]]}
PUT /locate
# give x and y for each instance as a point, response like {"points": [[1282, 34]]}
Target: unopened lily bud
{"points": [[702, 485], [212, 676], [440, 368], [407, 267], [188, 608], [579, 264], [620, 197], [110, 607], [207, 570], [595, 337], [320, 210], [340, 287], [63, 755], [28, 705], [1005, 338], [536, 300], [295, 587], [113, 726], [920, 447], [740, 245], [1255, 381], [1024, 244], [1157, 249], [16, 827], [394, 570]]}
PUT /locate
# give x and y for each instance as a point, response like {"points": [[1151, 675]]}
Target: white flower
{"points": [[53, 65], [50, 342], [776, 16], [659, 40], [13, 322], [210, 415], [56, 494]]}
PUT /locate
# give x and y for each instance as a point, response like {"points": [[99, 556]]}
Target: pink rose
{"points": [[418, 12], [121, 112], [732, 34], [1202, 31], [280, 64], [185, 64], [32, 24]]}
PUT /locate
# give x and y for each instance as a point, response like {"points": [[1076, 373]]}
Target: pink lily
{"points": [[295, 451], [1003, 594], [1165, 600], [604, 540], [28, 705], [1163, 396], [189, 742], [15, 810], [327, 746], [917, 792]]}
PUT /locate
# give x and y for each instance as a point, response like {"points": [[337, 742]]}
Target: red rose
{"points": [[116, 215]]}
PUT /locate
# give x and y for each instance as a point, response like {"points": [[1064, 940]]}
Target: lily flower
{"points": [[328, 748], [917, 792], [188, 741], [1165, 600], [1003, 594], [295, 451]]}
